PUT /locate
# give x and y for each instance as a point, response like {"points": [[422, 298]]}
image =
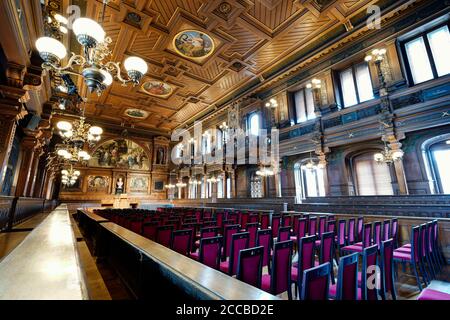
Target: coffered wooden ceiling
{"points": [[250, 37]]}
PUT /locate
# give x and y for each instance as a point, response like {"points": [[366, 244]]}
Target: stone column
{"points": [[233, 183], [399, 169]]}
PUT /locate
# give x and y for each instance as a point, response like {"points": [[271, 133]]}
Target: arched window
{"points": [[256, 186], [219, 139], [309, 182], [371, 178], [254, 123], [438, 152]]}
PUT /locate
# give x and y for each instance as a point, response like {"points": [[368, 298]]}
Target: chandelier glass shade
{"points": [[79, 132], [69, 176], [213, 179], [388, 156], [170, 186], [265, 172], [72, 153], [194, 182], [181, 184], [92, 65]]}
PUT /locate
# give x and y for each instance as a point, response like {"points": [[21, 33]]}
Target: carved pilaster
{"points": [[28, 145]]}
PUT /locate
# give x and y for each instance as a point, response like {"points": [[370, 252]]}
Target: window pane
{"points": [[364, 83], [309, 104], [300, 109], [254, 124], [440, 46], [418, 60], [372, 178], [348, 88], [442, 157]]}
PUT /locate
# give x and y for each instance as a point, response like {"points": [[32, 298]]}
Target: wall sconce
{"points": [[377, 56], [316, 86]]}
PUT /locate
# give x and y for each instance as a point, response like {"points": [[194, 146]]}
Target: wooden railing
{"points": [[152, 271], [14, 210]]}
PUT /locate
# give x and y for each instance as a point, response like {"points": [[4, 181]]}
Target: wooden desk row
{"points": [[151, 270], [45, 266]]}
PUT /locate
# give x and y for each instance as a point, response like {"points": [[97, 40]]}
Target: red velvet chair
{"points": [[249, 269], [279, 280], [239, 242], [252, 229], [387, 269], [316, 283], [264, 239], [164, 235], [369, 263], [209, 252], [306, 246], [347, 283], [181, 241], [149, 230], [229, 230], [275, 225], [284, 233]]}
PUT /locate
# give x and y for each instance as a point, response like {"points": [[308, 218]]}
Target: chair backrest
{"points": [[430, 239], [331, 226], [306, 246], [367, 235], [326, 247], [359, 228], [210, 250], [376, 233], [284, 233], [316, 282], [280, 276], [136, 226], [312, 229], [252, 228], [341, 233], [264, 239], [387, 268], [249, 266], [322, 224], [181, 241], [229, 231], [347, 283], [209, 232], [164, 235], [219, 218], [149, 230], [370, 265], [386, 229], [244, 219], [239, 242], [351, 231], [286, 220], [295, 219], [253, 217], [415, 243], [265, 219], [276, 221], [394, 231], [423, 239]]}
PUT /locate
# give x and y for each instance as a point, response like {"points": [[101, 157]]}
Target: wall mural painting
{"points": [[139, 184], [120, 153], [98, 184], [136, 113], [193, 44]]}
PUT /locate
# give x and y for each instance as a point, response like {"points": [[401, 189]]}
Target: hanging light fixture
{"points": [[98, 73], [388, 156], [181, 184], [212, 179], [265, 171], [69, 176]]}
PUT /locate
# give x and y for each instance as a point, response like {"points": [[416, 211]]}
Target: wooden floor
{"points": [[104, 284]]}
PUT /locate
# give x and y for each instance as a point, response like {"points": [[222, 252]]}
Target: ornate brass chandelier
{"points": [[388, 155], [98, 73], [69, 176]]}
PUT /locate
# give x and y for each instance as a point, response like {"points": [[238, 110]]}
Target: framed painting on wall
{"points": [[139, 184], [98, 184]]}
